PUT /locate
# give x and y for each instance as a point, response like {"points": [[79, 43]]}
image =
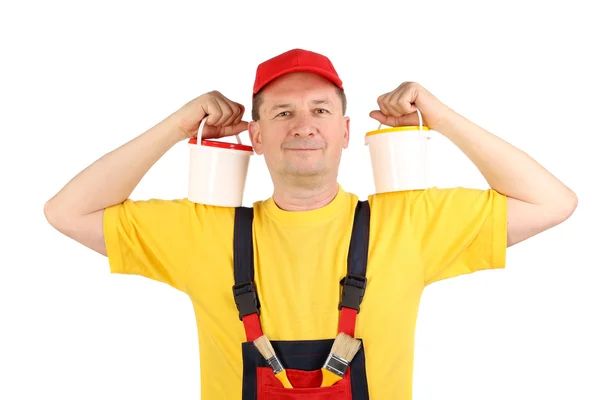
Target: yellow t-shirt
{"points": [[416, 238]]}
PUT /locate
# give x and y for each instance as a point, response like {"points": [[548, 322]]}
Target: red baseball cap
{"points": [[296, 60]]}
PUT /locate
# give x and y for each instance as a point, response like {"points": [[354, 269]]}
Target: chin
{"points": [[305, 170]]}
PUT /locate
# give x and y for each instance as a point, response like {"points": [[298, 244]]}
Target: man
{"points": [[302, 232]]}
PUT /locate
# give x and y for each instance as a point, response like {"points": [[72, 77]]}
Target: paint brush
{"points": [[342, 352], [264, 346]]}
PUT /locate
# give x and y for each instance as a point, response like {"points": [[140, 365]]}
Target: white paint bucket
{"points": [[399, 157], [218, 171]]}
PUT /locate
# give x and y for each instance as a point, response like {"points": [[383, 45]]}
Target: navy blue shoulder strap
{"points": [[243, 250], [354, 282], [359, 242]]}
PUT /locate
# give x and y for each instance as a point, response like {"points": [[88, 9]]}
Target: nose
{"points": [[303, 125]]}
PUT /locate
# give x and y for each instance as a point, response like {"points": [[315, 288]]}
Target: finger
{"points": [[235, 111], [382, 102], [242, 112], [390, 110], [389, 120], [210, 132], [230, 130], [405, 104], [413, 118], [240, 106], [227, 112], [379, 116], [239, 117], [235, 114], [408, 98], [396, 102], [214, 113]]}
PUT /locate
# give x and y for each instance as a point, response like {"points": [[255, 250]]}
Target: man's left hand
{"points": [[399, 107]]}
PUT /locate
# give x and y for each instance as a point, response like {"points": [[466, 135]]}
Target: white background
{"points": [[79, 79]]}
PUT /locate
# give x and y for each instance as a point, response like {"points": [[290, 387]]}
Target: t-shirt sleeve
{"points": [[461, 230], [151, 238]]}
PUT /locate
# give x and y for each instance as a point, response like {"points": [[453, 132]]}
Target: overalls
{"points": [[302, 360]]}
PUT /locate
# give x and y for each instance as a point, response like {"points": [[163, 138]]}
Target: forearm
{"points": [[506, 168], [112, 178]]}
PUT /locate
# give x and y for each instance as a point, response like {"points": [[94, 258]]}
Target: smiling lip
{"points": [[302, 149]]}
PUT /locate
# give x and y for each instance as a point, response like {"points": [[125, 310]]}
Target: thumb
{"points": [[379, 116], [382, 118], [215, 132], [403, 120], [231, 130]]}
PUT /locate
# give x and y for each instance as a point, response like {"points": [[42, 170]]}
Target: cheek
{"points": [[336, 139], [270, 143]]}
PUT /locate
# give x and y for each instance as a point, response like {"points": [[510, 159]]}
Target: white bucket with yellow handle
{"points": [[399, 157], [218, 171]]}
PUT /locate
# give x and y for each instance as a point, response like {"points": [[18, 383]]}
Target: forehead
{"points": [[298, 86]]}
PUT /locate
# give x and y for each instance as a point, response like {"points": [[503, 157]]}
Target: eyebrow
{"points": [[287, 105]]}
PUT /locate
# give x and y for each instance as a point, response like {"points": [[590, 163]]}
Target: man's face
{"points": [[301, 130]]}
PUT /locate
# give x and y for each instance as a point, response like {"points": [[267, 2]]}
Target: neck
{"points": [[304, 197]]}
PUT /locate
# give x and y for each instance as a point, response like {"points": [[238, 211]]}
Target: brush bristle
{"points": [[263, 344], [345, 346]]}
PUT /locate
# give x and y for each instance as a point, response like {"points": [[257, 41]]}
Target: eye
{"points": [[322, 109], [282, 113]]}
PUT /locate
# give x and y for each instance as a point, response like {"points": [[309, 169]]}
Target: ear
{"points": [[346, 132], [255, 136]]}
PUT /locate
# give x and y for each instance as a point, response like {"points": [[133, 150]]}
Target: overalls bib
{"points": [[303, 359]]}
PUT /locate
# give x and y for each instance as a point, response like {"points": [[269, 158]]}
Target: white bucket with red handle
{"points": [[218, 171], [399, 157]]}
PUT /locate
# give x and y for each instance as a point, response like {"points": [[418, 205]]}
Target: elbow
{"points": [[49, 213], [52, 215], [566, 206], [571, 203]]}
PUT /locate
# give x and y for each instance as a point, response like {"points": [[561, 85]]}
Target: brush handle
{"points": [[279, 371], [282, 376], [329, 378]]}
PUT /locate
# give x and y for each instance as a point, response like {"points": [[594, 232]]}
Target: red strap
{"points": [[254, 330], [252, 327], [347, 321]]}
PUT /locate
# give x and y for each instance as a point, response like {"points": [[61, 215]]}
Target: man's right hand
{"points": [[224, 116]]}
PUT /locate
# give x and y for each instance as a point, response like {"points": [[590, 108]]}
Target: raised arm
{"points": [[77, 209], [537, 200]]}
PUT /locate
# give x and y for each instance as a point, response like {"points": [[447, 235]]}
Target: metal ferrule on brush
{"points": [[275, 364], [335, 364]]}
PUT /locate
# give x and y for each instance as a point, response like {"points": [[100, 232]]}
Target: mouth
{"points": [[310, 148], [302, 149]]}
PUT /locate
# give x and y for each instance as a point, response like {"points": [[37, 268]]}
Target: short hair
{"points": [[258, 100]]}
